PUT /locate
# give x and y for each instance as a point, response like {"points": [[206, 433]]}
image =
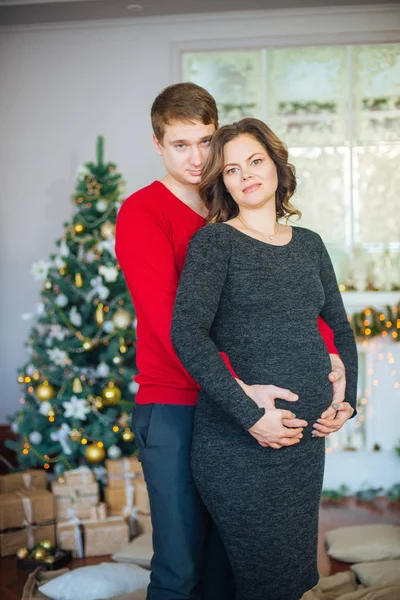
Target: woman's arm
{"points": [[196, 305], [334, 314]]}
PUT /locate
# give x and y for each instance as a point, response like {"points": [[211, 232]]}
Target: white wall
{"points": [[60, 86]]}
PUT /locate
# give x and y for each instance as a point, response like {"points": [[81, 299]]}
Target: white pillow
{"points": [[382, 572], [364, 543], [139, 551], [100, 581]]}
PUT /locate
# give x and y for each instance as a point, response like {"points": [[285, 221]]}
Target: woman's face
{"points": [[249, 173]]}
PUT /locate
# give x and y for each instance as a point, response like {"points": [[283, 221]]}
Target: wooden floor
{"points": [[12, 581]]}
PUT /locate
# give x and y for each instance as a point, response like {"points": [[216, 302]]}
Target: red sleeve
{"points": [[327, 335], [145, 253]]}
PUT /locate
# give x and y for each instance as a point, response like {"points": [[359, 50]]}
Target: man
{"points": [[154, 227]]}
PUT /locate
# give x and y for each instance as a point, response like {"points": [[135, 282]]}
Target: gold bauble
{"points": [[128, 435], [98, 402], [22, 552], [21, 379], [107, 230], [75, 435], [51, 413], [79, 228], [46, 544], [45, 391], [49, 559], [122, 318], [122, 348], [87, 344], [111, 393], [39, 553], [94, 454], [78, 280], [77, 386], [36, 375], [99, 314], [63, 271]]}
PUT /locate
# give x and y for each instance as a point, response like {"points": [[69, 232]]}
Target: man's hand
{"points": [[324, 427], [338, 378], [270, 431], [265, 395]]}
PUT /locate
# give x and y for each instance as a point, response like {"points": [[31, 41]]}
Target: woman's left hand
{"points": [[324, 427]]}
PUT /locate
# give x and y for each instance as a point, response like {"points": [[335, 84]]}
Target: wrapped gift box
{"points": [[93, 537], [26, 480], [79, 477], [122, 470], [120, 501], [143, 523], [26, 517], [74, 501]]}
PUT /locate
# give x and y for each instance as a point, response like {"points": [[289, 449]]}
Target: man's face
{"points": [[184, 150]]}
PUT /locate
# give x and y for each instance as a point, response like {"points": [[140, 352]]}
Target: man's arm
{"points": [[145, 253]]}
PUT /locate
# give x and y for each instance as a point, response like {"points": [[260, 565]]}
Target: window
{"points": [[337, 108]]}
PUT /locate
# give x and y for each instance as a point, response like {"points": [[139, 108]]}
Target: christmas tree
{"points": [[78, 386]]}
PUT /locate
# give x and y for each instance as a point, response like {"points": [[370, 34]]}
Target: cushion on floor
{"points": [[97, 582], [382, 572], [364, 543]]}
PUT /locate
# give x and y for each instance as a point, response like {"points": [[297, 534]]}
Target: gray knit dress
{"points": [[260, 303]]}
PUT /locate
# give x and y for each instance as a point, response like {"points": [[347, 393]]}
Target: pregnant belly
{"points": [[304, 375]]}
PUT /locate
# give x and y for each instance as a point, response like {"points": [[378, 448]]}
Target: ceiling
{"points": [[34, 12]]}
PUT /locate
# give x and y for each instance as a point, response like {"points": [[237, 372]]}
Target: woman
{"points": [[253, 288]]}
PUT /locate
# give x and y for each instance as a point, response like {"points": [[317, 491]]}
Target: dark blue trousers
{"points": [[189, 562]]}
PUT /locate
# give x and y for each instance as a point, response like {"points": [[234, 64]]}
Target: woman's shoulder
{"points": [[308, 235], [212, 233]]}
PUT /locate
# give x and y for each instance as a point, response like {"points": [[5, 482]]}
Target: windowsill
{"points": [[357, 301]]}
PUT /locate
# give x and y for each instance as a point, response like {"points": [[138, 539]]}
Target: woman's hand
{"points": [[270, 431], [325, 426]]}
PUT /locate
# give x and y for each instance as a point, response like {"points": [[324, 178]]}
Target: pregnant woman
{"points": [[253, 287]]}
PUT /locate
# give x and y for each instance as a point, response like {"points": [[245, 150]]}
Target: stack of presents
{"points": [[71, 515]]}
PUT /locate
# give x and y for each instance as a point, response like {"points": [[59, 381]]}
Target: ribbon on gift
{"points": [[76, 522], [98, 513], [27, 480], [87, 476], [28, 520]]}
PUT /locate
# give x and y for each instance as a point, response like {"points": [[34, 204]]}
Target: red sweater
{"points": [[153, 231]]}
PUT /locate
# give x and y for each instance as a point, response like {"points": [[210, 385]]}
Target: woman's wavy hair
{"points": [[219, 202]]}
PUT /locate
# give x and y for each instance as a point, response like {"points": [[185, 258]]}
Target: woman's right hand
{"points": [[264, 396], [270, 430]]}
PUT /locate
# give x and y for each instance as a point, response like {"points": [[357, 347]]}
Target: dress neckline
{"points": [[253, 239]]}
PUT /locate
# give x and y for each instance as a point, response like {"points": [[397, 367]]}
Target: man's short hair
{"points": [[186, 102]]}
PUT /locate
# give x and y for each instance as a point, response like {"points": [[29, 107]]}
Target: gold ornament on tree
{"points": [[79, 228], [111, 394], [128, 435], [95, 453], [107, 230], [63, 271], [99, 315], [77, 386], [122, 318], [75, 435], [45, 391], [78, 280], [122, 347], [87, 344], [36, 375]]}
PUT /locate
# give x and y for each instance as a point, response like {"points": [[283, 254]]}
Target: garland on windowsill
{"points": [[372, 323]]}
